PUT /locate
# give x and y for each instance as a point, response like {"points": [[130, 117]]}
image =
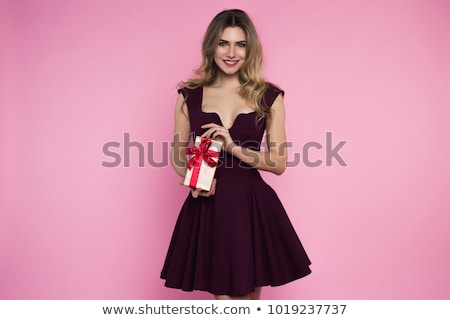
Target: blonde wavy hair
{"points": [[253, 84]]}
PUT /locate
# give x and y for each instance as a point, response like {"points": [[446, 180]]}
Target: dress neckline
{"points": [[217, 114]]}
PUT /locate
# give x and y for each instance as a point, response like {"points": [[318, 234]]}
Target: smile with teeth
{"points": [[230, 63]]}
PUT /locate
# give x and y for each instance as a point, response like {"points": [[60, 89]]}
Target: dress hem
{"points": [[215, 292]]}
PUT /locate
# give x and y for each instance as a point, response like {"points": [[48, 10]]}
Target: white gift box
{"points": [[202, 163]]}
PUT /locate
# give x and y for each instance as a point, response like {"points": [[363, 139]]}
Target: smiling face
{"points": [[231, 50]]}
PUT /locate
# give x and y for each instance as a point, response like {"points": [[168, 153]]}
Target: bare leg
{"points": [[255, 295], [225, 297]]}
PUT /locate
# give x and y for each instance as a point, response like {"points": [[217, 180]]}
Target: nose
{"points": [[230, 51]]}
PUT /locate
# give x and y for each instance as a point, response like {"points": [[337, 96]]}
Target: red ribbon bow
{"points": [[201, 153]]}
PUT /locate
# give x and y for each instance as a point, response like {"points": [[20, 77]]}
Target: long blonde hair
{"points": [[253, 84]]}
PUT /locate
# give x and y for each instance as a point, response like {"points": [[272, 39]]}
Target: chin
{"points": [[229, 71]]}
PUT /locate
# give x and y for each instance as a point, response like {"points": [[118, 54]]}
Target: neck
{"points": [[229, 81]]}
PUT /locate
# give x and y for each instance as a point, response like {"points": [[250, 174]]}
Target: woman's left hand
{"points": [[219, 133]]}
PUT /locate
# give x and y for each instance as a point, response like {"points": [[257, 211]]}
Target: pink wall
{"points": [[77, 74]]}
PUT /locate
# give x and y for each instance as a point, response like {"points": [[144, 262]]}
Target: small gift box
{"points": [[202, 164]]}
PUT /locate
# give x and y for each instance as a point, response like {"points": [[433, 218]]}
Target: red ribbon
{"points": [[201, 153]]}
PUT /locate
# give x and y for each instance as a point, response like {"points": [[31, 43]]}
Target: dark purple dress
{"points": [[240, 238]]}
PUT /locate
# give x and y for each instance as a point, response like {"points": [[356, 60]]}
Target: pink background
{"points": [[77, 74]]}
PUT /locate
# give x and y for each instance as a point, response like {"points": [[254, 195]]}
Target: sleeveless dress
{"points": [[240, 238]]}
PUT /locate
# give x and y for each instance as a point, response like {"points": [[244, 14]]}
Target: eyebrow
{"points": [[236, 41]]}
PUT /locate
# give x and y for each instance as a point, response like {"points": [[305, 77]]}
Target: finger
{"points": [[208, 133], [203, 193], [213, 187], [210, 192], [219, 133], [214, 133], [195, 192], [212, 126], [209, 125]]}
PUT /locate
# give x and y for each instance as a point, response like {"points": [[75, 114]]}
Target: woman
{"points": [[236, 237]]}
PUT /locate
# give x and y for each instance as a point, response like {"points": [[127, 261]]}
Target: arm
{"points": [[181, 133], [180, 143], [273, 160]]}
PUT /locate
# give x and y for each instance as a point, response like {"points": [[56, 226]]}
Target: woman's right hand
{"points": [[202, 193]]}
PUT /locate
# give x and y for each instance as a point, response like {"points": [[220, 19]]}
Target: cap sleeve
{"points": [[182, 91], [271, 94]]}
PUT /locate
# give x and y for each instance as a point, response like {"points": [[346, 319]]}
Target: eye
{"points": [[241, 44], [222, 43]]}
